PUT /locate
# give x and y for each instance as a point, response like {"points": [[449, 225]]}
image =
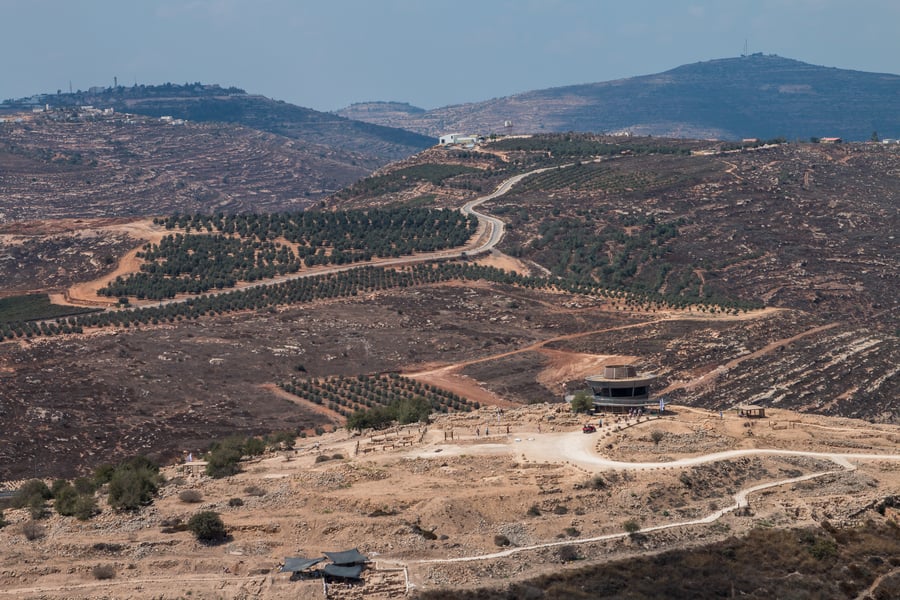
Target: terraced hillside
{"points": [[60, 165], [805, 226], [647, 251]]}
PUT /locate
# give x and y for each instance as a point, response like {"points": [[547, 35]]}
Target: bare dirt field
{"points": [[428, 515]]}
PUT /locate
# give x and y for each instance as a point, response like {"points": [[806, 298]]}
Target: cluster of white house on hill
{"points": [[459, 139]]}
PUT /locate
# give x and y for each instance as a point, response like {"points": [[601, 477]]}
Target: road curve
{"points": [[497, 226], [578, 449], [492, 224]]}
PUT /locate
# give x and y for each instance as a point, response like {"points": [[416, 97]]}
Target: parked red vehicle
{"points": [[588, 428]]}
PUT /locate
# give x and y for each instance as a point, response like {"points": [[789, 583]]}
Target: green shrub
{"points": [[65, 500], [207, 526], [631, 526], [85, 507], [104, 473], [84, 485], [223, 459], [254, 446], [235, 502], [133, 483], [57, 486], [823, 548], [501, 540], [30, 489], [534, 511], [582, 402], [283, 439], [403, 411], [33, 495]]}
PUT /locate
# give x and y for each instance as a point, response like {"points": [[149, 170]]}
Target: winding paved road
{"points": [[497, 226]]}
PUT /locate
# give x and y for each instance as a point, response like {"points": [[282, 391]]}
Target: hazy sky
{"points": [[326, 54]]}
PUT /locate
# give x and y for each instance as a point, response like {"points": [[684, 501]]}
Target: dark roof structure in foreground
{"points": [[292, 564], [347, 557], [344, 571]]}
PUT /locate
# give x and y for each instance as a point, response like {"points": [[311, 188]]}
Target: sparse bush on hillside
{"points": [[103, 473], [57, 486], [567, 553], [254, 490], [597, 482], [223, 459], [133, 483], [84, 485], [85, 507], [631, 526], [190, 496], [32, 530], [207, 526], [501, 540], [235, 502], [64, 499], [283, 439], [33, 495], [103, 572], [254, 446]]}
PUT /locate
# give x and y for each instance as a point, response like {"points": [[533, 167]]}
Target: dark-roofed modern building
{"points": [[621, 388]]}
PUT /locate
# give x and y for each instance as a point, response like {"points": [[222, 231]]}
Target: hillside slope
{"points": [[733, 98], [62, 164], [206, 103]]}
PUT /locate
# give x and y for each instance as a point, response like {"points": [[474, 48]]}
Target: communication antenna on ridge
{"points": [[746, 47]]}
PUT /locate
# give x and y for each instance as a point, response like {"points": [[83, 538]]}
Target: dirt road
{"points": [[578, 449]]}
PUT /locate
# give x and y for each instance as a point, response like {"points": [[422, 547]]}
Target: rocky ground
{"points": [[443, 499]]}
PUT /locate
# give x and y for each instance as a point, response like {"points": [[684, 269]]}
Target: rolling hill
{"points": [[761, 96], [212, 103]]}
